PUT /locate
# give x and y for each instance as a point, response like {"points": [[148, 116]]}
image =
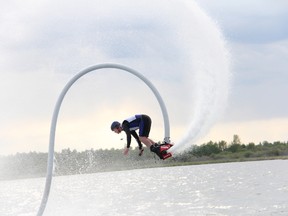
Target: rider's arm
{"points": [[125, 127]]}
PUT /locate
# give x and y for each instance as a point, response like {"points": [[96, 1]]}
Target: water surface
{"points": [[245, 188]]}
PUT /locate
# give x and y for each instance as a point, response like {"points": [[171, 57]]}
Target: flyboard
{"points": [[163, 151]]}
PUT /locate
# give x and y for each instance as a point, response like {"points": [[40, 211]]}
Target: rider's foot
{"points": [[156, 149]]}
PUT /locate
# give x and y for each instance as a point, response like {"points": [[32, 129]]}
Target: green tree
{"points": [[236, 140], [222, 145], [235, 145]]}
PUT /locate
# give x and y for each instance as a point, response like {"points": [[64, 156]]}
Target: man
{"points": [[130, 125]]}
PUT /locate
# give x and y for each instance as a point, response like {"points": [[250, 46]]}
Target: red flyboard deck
{"points": [[163, 151]]}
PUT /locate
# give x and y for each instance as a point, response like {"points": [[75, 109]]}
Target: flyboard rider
{"points": [[143, 123]]}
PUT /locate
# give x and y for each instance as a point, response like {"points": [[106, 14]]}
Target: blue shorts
{"points": [[145, 126]]}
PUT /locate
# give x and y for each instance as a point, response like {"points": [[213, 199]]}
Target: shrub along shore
{"points": [[71, 162]]}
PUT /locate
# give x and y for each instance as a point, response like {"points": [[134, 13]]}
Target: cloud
{"points": [[68, 37], [256, 22], [259, 91], [256, 131]]}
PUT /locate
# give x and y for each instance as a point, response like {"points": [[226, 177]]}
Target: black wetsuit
{"points": [[141, 122]]}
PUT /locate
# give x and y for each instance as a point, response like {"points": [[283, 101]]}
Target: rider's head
{"points": [[115, 126]]}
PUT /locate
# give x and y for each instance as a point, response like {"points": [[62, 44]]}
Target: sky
{"points": [[43, 44]]}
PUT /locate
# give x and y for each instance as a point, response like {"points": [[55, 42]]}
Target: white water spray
{"points": [[210, 75]]}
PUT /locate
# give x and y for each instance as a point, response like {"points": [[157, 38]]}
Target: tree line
{"points": [[70, 162], [235, 150]]}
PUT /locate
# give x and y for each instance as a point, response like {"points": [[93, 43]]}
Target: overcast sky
{"points": [[43, 44]]}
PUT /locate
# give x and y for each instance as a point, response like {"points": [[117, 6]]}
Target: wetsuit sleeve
{"points": [[135, 135], [128, 133]]}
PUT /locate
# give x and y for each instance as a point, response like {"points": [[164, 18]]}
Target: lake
{"points": [[243, 188]]}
